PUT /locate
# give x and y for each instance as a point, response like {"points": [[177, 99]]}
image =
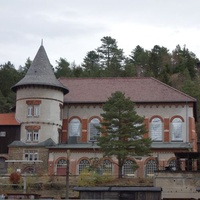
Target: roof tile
{"points": [[8, 119], [145, 89]]}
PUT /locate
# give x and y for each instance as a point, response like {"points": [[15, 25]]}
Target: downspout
{"points": [[187, 131]]}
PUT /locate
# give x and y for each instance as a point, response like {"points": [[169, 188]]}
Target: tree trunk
{"points": [[120, 171]]}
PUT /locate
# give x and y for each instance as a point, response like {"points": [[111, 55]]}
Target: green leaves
{"points": [[122, 130]]}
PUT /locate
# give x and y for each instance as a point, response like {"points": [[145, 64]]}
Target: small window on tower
{"points": [[33, 108]]}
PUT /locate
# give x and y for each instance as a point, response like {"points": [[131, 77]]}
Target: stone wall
{"points": [[16, 154], [178, 184]]}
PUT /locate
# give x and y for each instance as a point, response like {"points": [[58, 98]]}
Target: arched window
{"points": [[61, 167], [29, 170], [129, 168], [84, 164], [107, 166], [75, 127], [151, 167], [94, 133], [172, 164], [156, 129], [176, 129]]}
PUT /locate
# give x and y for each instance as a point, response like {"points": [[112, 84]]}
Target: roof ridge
{"points": [[62, 78]]}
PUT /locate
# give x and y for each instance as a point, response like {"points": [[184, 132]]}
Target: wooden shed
{"points": [[112, 192]]}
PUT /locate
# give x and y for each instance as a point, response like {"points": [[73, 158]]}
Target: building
{"points": [[56, 116]]}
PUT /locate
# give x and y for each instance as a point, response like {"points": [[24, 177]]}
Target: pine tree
{"points": [[122, 130]]}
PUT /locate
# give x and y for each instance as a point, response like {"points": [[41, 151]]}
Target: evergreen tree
{"points": [[62, 68], [111, 57], [9, 76], [122, 130], [159, 58], [23, 70], [91, 65], [140, 58]]}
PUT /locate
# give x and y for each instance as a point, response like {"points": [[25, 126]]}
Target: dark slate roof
{"points": [[140, 90], [119, 188], [40, 73], [47, 143], [76, 146]]}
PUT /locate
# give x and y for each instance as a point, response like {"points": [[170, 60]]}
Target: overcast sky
{"points": [[71, 28]]}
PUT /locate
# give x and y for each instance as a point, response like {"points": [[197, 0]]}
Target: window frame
{"points": [[83, 164], [174, 129], [31, 155], [157, 133], [91, 128], [71, 128], [33, 110], [32, 135]]}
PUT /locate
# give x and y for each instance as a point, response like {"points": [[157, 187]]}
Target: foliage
{"points": [[122, 130], [92, 178], [8, 77], [62, 68], [15, 178]]}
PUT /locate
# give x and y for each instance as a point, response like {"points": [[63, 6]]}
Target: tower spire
{"points": [[42, 42]]}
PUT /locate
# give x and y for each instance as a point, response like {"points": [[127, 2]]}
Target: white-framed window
{"points": [[30, 155], [2, 133], [62, 163], [151, 167], [177, 129], [128, 167], [156, 129], [33, 111], [107, 166], [75, 127], [29, 136], [84, 164], [94, 132], [32, 135], [35, 136]]}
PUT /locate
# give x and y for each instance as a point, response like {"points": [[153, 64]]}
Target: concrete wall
{"points": [[178, 184]]}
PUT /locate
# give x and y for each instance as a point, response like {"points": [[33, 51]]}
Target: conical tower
{"points": [[39, 101]]}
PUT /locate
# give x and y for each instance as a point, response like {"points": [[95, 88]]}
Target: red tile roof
{"points": [[93, 90], [8, 119]]}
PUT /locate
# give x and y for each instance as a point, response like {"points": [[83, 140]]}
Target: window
{"points": [[107, 166], [84, 164], [30, 155], [32, 135], [172, 164], [2, 134], [151, 167], [33, 110], [62, 163], [156, 129], [176, 129], [94, 133], [61, 167], [74, 127], [61, 111], [129, 167]]}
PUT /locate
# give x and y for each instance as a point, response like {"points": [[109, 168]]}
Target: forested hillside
{"points": [[178, 68]]}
